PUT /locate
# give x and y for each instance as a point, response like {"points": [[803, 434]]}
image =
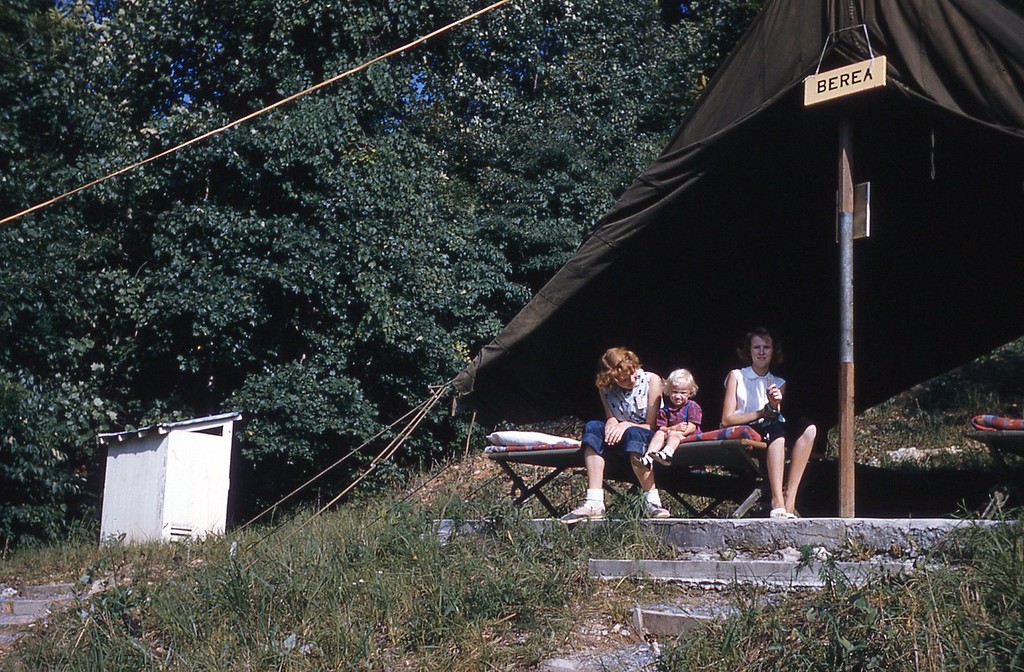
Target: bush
{"points": [[35, 485]]}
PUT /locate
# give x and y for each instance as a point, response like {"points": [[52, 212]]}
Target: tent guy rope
{"points": [[329, 468], [257, 113], [421, 412]]}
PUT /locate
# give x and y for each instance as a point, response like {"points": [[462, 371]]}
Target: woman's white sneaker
{"points": [[655, 511], [585, 512]]}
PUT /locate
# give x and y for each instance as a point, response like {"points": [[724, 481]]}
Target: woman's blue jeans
{"points": [[634, 440]]}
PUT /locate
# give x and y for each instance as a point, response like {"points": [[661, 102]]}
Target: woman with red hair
{"points": [[631, 398]]}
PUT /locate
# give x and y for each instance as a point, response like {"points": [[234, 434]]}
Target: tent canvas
{"points": [[740, 210]]}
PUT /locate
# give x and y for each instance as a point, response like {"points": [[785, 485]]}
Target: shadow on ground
{"points": [[908, 492]]}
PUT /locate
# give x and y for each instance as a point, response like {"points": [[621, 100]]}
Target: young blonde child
{"points": [[679, 417]]}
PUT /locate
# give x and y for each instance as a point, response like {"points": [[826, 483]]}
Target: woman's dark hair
{"points": [[743, 352]]}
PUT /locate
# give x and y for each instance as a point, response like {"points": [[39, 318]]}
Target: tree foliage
{"points": [[316, 268]]}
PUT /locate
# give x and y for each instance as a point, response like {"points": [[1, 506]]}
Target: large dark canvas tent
{"points": [[741, 207]]}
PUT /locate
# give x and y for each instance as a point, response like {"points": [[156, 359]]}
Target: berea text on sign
{"points": [[843, 81]]}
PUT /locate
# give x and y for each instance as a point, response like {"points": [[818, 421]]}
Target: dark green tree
{"points": [[320, 266]]}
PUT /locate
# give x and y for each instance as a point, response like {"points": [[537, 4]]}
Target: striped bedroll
{"points": [[735, 432], [996, 422], [558, 443], [535, 447]]}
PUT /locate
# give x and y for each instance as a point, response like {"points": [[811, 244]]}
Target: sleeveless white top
{"points": [[630, 405], [751, 394]]}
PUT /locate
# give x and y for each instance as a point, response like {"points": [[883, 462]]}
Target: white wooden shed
{"points": [[169, 481]]}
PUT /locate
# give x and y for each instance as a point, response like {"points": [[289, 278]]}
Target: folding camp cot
{"points": [[726, 465], [1002, 436]]}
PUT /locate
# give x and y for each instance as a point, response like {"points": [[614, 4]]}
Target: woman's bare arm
{"points": [[729, 414]]}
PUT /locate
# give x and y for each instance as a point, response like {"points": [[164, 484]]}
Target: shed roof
{"points": [[190, 425]]}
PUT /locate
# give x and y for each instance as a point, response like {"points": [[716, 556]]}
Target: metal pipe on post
{"points": [[818, 88], [846, 371]]}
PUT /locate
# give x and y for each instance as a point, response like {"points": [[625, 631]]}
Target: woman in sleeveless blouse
{"points": [[631, 398], [753, 396]]}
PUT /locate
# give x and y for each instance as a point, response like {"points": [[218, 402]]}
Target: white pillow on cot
{"points": [[519, 438]]}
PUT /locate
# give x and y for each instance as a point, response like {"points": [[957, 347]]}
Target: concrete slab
{"points": [[16, 623], [897, 537], [38, 608], [47, 590], [900, 536], [673, 621], [772, 573], [22, 608]]}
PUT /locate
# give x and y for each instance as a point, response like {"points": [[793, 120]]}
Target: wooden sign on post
{"points": [[846, 365], [844, 81], [818, 88]]}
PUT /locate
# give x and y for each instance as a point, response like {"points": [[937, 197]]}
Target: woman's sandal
{"points": [[781, 514]]}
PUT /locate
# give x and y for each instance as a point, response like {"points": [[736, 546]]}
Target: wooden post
{"points": [[846, 388]]}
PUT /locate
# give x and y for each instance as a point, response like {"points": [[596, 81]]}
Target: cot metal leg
{"points": [[694, 513], [744, 507], [1006, 491], [706, 511], [521, 492], [998, 497]]}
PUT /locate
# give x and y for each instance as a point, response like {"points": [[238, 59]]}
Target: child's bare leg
{"points": [[644, 475], [657, 441], [673, 441]]}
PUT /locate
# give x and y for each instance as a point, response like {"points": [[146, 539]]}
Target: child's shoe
{"points": [[663, 456], [646, 461]]}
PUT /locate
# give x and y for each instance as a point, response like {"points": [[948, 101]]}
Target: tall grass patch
{"points": [[367, 587], [965, 616]]}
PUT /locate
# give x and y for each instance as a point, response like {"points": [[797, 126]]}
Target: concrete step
{"points": [[24, 607], [7, 639], [673, 621], [896, 537], [33, 607], [10, 634], [10, 623], [771, 573], [46, 590]]}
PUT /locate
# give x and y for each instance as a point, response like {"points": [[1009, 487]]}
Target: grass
{"points": [[964, 617], [366, 587], [371, 587], [931, 417]]}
